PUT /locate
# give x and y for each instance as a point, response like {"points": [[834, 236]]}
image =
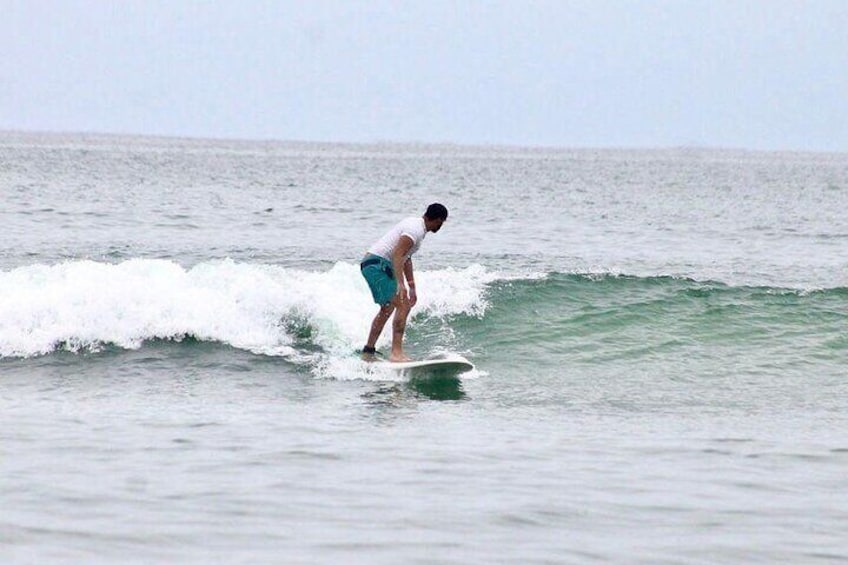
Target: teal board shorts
{"points": [[380, 277]]}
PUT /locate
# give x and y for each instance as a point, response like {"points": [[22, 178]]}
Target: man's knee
{"points": [[402, 310]]}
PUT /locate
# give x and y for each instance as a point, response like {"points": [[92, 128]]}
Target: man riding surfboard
{"points": [[387, 267]]}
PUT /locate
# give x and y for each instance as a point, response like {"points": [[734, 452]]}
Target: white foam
{"points": [[82, 305]]}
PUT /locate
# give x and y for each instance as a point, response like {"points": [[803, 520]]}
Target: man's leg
{"points": [[399, 327], [379, 323]]}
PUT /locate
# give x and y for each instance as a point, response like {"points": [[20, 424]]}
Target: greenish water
{"points": [[596, 320]]}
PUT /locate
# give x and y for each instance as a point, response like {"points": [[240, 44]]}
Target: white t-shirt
{"points": [[414, 228]]}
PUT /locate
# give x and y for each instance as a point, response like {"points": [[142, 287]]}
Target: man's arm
{"points": [[410, 281], [399, 262]]}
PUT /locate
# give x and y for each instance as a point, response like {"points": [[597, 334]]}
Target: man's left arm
{"points": [[410, 281]]}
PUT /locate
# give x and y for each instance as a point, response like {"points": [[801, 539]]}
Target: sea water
{"points": [[660, 340]]}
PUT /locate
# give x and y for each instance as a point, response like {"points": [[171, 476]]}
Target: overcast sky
{"points": [[769, 74]]}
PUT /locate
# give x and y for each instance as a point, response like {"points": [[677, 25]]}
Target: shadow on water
{"points": [[432, 385], [436, 384]]}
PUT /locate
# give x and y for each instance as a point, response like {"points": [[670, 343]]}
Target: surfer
{"points": [[387, 267]]}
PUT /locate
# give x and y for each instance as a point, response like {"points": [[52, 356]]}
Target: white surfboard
{"points": [[448, 362]]}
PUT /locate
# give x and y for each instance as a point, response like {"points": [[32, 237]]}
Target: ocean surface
{"points": [[660, 340]]}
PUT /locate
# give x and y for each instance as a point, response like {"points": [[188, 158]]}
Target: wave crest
{"points": [[265, 309]]}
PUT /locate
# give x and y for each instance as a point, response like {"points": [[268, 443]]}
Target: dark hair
{"points": [[436, 211]]}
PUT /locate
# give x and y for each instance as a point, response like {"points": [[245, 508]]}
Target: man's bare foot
{"points": [[401, 358]]}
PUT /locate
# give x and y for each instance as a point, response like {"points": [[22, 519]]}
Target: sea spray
{"points": [[265, 309]]}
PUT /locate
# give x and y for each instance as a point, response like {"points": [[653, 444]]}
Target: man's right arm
{"points": [[398, 259]]}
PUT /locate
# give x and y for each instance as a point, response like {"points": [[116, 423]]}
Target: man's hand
{"points": [[407, 294]]}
